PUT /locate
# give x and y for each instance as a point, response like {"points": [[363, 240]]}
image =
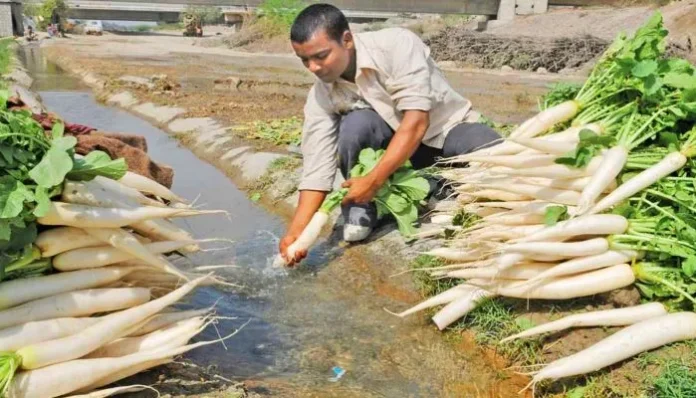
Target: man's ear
{"points": [[347, 39]]}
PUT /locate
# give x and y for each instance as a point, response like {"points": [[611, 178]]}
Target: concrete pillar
{"points": [[6, 20], [506, 10]]}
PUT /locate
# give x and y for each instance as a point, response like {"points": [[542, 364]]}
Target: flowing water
{"points": [[303, 323]]}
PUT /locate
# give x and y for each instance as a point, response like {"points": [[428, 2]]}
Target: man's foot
{"points": [[355, 233], [360, 220]]}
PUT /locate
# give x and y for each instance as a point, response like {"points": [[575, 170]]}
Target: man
{"points": [[378, 90]]}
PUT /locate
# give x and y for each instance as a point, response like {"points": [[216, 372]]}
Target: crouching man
{"points": [[379, 90]]}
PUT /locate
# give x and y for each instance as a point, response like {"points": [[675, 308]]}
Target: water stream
{"points": [[301, 324]]}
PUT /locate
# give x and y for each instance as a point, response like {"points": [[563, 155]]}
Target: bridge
{"points": [[169, 10]]}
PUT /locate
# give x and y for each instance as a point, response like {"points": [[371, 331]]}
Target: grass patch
{"points": [[277, 170], [277, 132], [426, 285], [6, 55], [677, 380]]}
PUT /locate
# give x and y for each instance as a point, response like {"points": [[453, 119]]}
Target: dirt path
{"points": [[268, 85]]}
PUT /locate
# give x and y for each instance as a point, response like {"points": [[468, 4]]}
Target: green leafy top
{"points": [[399, 196]]}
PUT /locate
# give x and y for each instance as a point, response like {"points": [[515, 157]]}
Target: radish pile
{"points": [[86, 293], [593, 194]]}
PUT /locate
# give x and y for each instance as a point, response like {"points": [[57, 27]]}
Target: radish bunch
{"points": [[593, 194]]}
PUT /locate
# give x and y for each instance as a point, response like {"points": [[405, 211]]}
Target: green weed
{"points": [[278, 132]]}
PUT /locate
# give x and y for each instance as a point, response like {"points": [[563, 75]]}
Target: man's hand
{"points": [[309, 203], [361, 189], [283, 246]]}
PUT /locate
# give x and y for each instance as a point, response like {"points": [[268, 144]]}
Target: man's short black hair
{"points": [[319, 16]]}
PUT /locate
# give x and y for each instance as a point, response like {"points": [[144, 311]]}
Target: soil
{"points": [[521, 53]]}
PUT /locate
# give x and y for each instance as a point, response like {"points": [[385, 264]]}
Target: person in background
{"points": [[373, 90]]}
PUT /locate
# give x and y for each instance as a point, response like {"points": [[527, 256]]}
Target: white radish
{"points": [[128, 243], [58, 240], [306, 239], [19, 291], [460, 307], [108, 392], [93, 257], [612, 164], [613, 317], [77, 345], [559, 171], [16, 337], [671, 163], [74, 304], [451, 254], [515, 219], [497, 194], [520, 160], [125, 192], [632, 340], [519, 272], [165, 319], [577, 184], [161, 229], [587, 284], [442, 219], [93, 194], [585, 264], [546, 145], [546, 119], [144, 184], [83, 216], [63, 378], [172, 336], [564, 197], [590, 247], [445, 297], [599, 224]]}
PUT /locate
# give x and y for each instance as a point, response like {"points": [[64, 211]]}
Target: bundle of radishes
{"points": [[594, 193], [86, 295]]}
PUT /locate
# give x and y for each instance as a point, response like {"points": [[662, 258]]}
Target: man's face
{"points": [[326, 58]]}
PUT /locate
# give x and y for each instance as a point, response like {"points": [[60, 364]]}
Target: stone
{"points": [[160, 114], [254, 165], [506, 68], [136, 81], [234, 152], [198, 124], [542, 70], [27, 96], [123, 99], [21, 77]]}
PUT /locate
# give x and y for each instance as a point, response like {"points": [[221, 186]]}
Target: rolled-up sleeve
{"points": [[409, 83], [319, 142]]}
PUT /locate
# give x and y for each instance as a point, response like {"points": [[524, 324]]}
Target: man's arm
{"points": [[319, 150], [402, 146], [309, 203]]}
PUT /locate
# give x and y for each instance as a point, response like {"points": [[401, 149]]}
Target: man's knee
{"points": [[362, 129], [469, 137]]}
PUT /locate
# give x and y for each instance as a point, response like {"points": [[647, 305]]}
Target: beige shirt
{"points": [[395, 73]]}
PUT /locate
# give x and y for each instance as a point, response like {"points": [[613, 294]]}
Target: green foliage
{"points": [[277, 16], [45, 10], [399, 196], [590, 145], [559, 93], [33, 166], [278, 132], [209, 15], [676, 380], [554, 214]]}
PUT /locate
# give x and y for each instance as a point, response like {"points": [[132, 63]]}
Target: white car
{"points": [[94, 28]]}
